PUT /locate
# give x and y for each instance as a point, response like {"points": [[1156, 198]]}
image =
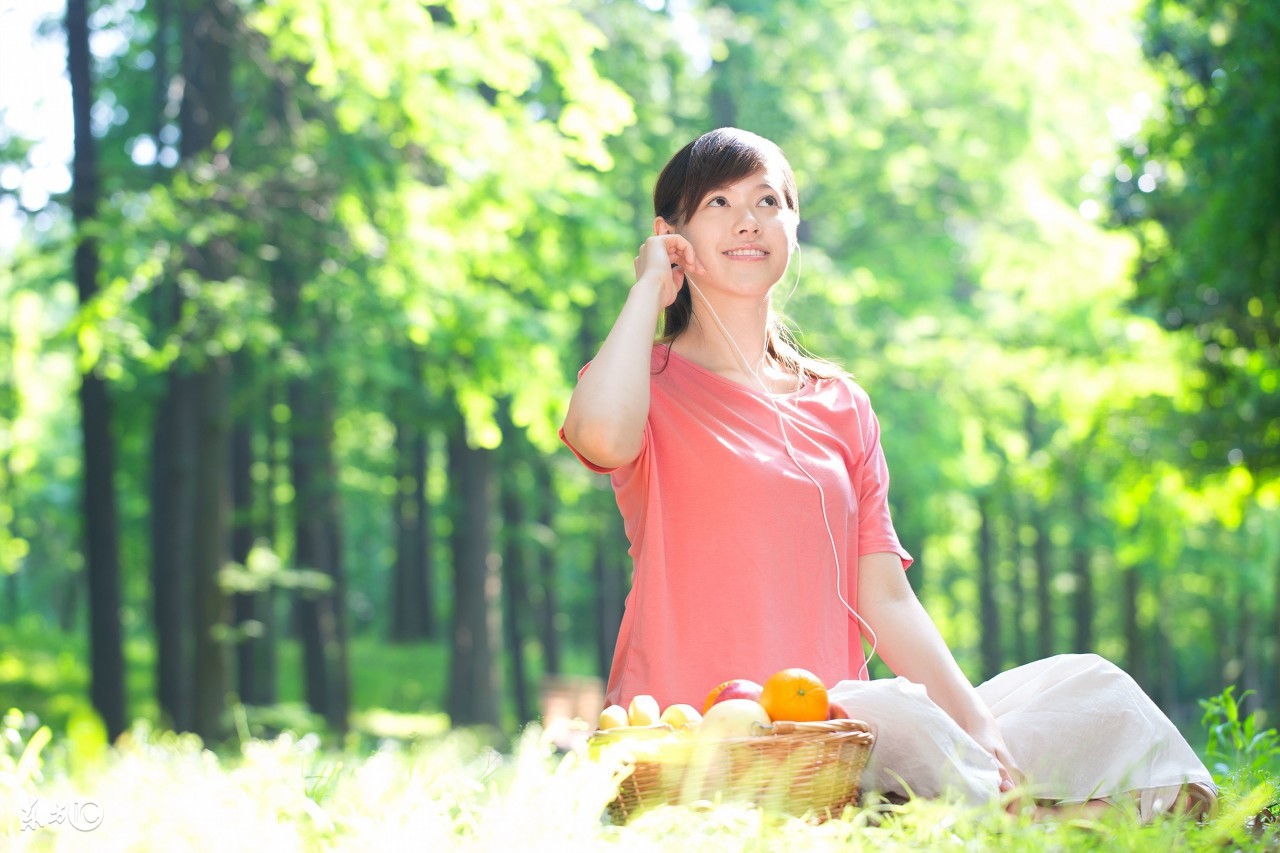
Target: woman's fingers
{"points": [[1010, 779], [681, 252], [673, 253], [1008, 767]]}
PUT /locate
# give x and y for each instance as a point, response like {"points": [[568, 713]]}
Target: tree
{"points": [[1196, 188], [412, 601], [474, 677], [102, 555], [208, 28]]}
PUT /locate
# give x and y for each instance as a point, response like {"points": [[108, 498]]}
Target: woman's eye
{"points": [[718, 201], [769, 201]]}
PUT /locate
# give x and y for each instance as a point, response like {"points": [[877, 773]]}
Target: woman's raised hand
{"points": [[663, 259]]}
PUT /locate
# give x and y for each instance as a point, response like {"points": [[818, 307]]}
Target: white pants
{"points": [[1078, 726]]}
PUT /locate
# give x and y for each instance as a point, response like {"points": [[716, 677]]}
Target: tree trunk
{"points": [[278, 461], [1081, 568], [548, 630], [210, 546], [171, 464], [403, 516], [1166, 686], [1136, 664], [424, 544], [411, 604], [515, 594], [474, 675], [321, 613], [1021, 642], [1042, 548], [102, 552], [250, 608], [1044, 584], [208, 28], [989, 614], [172, 516]]}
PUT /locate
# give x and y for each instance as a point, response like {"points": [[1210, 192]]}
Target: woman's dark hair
{"points": [[712, 161]]}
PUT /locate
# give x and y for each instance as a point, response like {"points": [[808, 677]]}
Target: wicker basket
{"points": [[799, 768]]}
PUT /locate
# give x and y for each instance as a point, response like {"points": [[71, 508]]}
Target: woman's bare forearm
{"points": [[607, 411], [908, 640]]}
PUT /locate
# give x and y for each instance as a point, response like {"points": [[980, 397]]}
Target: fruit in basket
{"points": [[613, 717], [734, 688], [734, 718], [681, 716], [643, 710], [795, 694], [836, 711]]}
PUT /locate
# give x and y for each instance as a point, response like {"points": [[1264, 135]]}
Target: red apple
{"points": [[836, 711], [734, 688]]}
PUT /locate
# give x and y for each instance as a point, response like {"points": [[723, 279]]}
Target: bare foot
{"points": [[1196, 800]]}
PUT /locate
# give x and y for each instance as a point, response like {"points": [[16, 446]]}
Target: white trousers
{"points": [[1078, 726]]}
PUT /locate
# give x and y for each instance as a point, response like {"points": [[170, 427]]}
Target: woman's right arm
{"points": [[608, 409]]}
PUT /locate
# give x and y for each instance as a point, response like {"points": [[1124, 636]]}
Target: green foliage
{"points": [[43, 671], [1195, 187], [1238, 747]]}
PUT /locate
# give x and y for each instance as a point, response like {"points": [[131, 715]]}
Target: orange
{"points": [[795, 694]]}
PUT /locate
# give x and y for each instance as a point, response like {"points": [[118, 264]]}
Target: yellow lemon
{"points": [[613, 717], [681, 716], [643, 710]]}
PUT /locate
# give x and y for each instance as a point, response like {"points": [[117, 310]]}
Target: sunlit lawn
{"points": [[403, 780], [160, 791]]}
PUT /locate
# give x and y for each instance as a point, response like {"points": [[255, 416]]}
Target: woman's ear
{"points": [[661, 226]]}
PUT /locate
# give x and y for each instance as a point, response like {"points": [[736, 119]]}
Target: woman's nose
{"points": [[748, 223]]}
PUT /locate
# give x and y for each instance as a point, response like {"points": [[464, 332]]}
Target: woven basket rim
{"points": [[782, 729]]}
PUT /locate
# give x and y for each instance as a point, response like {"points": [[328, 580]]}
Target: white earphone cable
{"points": [[786, 443]]}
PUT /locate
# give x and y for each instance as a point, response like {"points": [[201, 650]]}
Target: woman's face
{"points": [[743, 234]]}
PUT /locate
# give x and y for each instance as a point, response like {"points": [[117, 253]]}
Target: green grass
{"points": [[404, 779], [157, 790]]}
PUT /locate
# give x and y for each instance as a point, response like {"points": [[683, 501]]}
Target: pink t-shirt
{"points": [[734, 572]]}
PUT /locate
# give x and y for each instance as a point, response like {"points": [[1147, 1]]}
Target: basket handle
{"points": [[786, 727]]}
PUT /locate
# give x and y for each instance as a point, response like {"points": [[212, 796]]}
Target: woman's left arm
{"points": [[910, 645]]}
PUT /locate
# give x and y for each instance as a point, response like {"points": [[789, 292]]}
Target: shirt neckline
{"points": [[804, 389]]}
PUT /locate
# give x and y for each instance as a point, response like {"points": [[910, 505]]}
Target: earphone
{"points": [[791, 454]]}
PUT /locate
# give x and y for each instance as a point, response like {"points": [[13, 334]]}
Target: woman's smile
{"points": [[747, 253]]}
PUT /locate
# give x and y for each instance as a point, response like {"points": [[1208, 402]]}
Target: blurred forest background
{"points": [[281, 370]]}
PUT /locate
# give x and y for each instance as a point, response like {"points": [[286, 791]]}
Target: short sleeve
{"points": [[875, 526], [591, 466]]}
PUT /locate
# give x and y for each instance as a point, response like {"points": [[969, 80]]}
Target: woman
{"points": [[753, 488]]}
